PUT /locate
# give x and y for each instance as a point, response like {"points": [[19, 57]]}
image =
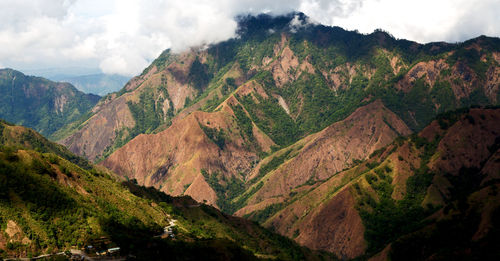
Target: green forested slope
{"points": [[49, 204], [41, 104]]}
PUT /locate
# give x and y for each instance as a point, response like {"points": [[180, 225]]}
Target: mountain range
{"points": [[255, 124], [361, 146]]}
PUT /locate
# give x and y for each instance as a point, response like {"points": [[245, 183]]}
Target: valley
{"points": [[292, 141]]}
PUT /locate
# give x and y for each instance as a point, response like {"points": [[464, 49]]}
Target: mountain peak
{"points": [[249, 25]]}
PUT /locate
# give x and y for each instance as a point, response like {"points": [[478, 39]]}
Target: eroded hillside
{"points": [[310, 78], [263, 106], [422, 183]]}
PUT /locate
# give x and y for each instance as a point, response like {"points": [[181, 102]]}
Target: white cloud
{"points": [[421, 21], [124, 36], [297, 24]]}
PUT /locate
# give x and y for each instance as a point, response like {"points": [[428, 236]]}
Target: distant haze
{"points": [[87, 80], [124, 36], [58, 73], [100, 84]]}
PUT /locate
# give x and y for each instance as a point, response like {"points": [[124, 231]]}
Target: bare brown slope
{"points": [[475, 133], [174, 154], [470, 145], [172, 160], [110, 115], [113, 115], [369, 128], [327, 218], [336, 227], [100, 130]]}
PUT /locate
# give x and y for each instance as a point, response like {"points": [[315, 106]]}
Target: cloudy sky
{"points": [[124, 36]]}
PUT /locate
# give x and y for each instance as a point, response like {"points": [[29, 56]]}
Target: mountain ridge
{"points": [[394, 173], [380, 59], [40, 103], [264, 101]]}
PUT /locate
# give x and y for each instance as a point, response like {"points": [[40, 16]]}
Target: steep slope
{"points": [[311, 75], [48, 204], [176, 159], [286, 94], [180, 160], [275, 125], [39, 103], [146, 103], [428, 196], [319, 156]]}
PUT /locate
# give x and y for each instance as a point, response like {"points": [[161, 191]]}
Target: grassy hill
{"points": [[51, 200]]}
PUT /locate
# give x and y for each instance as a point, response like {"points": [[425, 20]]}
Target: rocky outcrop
{"points": [[15, 234], [429, 70]]}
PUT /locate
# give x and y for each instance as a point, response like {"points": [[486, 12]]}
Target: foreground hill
{"points": [[41, 104], [49, 204]]}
